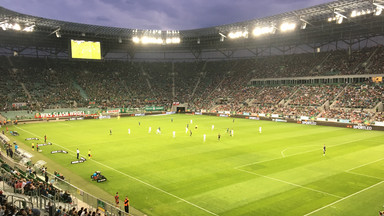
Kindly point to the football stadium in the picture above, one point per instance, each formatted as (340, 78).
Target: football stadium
(280, 115)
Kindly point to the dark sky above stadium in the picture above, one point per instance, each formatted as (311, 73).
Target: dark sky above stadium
(156, 14)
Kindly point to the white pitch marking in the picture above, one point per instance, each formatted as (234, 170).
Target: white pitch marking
(282, 152)
(290, 183)
(337, 201)
(152, 186)
(360, 174)
(65, 124)
(303, 146)
(294, 154)
(365, 164)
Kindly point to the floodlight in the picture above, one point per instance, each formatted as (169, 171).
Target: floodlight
(340, 20)
(303, 25)
(176, 40)
(58, 34)
(29, 28)
(136, 40)
(330, 19)
(257, 31)
(379, 8)
(238, 34)
(354, 14)
(16, 27)
(144, 40)
(339, 14)
(263, 30)
(287, 27)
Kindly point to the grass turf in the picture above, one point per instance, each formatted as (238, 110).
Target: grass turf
(280, 171)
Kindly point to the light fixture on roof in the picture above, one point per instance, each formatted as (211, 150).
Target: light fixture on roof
(16, 27)
(339, 20)
(3, 26)
(339, 17)
(136, 40)
(58, 34)
(238, 34)
(379, 9)
(222, 36)
(29, 28)
(263, 30)
(287, 26)
(151, 40)
(174, 40)
(303, 25)
(356, 13)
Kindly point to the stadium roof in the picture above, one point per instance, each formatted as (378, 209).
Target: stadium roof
(317, 29)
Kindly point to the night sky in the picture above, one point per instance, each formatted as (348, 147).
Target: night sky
(156, 14)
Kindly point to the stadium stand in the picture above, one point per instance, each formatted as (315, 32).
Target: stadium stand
(217, 86)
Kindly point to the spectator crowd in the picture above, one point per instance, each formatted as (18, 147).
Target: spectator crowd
(42, 83)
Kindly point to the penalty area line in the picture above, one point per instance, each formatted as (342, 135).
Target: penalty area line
(360, 174)
(299, 153)
(337, 201)
(365, 164)
(302, 146)
(290, 183)
(134, 178)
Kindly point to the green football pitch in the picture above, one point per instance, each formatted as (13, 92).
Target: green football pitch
(281, 171)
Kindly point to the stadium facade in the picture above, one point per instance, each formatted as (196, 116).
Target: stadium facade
(342, 24)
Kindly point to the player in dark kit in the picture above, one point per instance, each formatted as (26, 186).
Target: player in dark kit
(45, 138)
(190, 132)
(324, 149)
(110, 131)
(218, 137)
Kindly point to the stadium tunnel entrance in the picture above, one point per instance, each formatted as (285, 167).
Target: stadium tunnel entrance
(180, 110)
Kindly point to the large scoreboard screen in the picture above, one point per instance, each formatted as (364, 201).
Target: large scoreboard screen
(81, 49)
